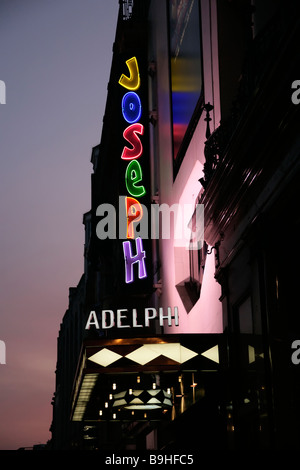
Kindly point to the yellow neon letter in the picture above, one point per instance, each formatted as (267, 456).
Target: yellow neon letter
(133, 82)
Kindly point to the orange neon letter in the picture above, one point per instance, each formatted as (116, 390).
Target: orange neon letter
(133, 81)
(134, 213)
(130, 134)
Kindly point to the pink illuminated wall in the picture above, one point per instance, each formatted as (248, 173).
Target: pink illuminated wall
(206, 314)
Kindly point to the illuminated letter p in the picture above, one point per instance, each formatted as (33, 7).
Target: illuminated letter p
(134, 213)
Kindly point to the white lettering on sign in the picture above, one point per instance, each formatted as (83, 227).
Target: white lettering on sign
(124, 318)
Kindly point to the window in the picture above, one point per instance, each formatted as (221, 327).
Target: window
(245, 317)
(185, 72)
(189, 289)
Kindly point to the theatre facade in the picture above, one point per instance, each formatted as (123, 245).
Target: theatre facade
(180, 331)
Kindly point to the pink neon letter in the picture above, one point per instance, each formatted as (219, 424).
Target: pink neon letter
(130, 134)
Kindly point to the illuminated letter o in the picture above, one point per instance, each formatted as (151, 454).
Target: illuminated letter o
(131, 107)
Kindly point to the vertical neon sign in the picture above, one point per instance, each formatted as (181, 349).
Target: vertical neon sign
(132, 111)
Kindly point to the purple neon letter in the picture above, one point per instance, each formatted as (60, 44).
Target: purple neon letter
(130, 260)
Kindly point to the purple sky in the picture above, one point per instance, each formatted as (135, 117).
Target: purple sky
(55, 58)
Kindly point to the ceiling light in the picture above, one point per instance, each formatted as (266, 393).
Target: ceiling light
(212, 354)
(174, 351)
(144, 399)
(105, 357)
(87, 386)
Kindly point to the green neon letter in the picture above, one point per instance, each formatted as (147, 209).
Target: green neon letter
(133, 176)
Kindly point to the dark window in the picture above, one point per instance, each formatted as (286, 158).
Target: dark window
(185, 72)
(190, 289)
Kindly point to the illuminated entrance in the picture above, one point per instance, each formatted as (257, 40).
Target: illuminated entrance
(143, 379)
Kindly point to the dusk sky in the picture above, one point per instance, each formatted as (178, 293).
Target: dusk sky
(55, 58)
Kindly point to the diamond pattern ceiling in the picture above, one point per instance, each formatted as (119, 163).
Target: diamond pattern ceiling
(145, 354)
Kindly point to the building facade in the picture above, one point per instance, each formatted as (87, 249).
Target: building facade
(181, 330)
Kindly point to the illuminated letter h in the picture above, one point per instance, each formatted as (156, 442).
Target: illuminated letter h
(130, 260)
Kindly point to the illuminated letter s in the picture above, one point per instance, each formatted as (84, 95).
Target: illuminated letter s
(130, 134)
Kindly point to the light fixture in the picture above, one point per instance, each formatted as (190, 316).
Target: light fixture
(114, 386)
(146, 353)
(110, 396)
(173, 351)
(88, 384)
(106, 404)
(143, 399)
(212, 354)
(105, 357)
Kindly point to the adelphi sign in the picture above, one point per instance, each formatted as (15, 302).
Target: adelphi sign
(125, 318)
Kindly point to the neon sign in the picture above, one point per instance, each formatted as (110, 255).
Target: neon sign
(134, 213)
(131, 259)
(131, 107)
(133, 176)
(130, 134)
(132, 111)
(133, 81)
